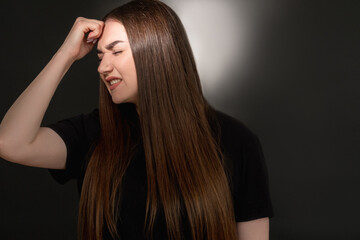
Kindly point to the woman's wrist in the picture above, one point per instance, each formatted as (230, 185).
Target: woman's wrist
(64, 57)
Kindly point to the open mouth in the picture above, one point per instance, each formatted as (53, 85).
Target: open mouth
(112, 82)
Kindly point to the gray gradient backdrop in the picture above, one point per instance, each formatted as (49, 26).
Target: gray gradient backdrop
(288, 69)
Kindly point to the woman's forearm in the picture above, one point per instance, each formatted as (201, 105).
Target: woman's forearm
(21, 138)
(257, 229)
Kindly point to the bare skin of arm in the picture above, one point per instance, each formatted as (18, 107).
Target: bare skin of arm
(253, 230)
(22, 140)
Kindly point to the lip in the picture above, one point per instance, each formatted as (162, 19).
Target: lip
(112, 87)
(110, 78)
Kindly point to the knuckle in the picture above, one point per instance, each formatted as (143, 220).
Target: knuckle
(99, 27)
(78, 19)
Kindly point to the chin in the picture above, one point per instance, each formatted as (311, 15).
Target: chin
(117, 101)
(121, 100)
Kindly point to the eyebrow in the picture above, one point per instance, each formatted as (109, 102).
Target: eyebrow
(110, 46)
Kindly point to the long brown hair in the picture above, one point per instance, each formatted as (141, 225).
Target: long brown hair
(185, 172)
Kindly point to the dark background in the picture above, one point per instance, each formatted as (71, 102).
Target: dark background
(299, 93)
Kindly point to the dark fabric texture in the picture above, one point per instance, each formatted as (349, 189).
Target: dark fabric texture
(244, 163)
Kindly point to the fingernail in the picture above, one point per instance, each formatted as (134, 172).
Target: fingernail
(89, 40)
(94, 41)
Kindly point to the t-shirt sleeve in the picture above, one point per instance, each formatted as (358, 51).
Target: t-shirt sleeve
(79, 135)
(247, 170)
(251, 195)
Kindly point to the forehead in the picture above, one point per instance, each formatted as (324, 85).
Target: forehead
(113, 31)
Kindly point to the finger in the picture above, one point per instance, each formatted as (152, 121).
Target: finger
(95, 21)
(91, 40)
(90, 27)
(95, 29)
(94, 35)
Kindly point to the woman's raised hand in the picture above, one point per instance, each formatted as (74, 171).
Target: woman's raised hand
(82, 37)
(22, 139)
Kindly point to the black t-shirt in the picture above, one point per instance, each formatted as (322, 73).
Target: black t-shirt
(243, 158)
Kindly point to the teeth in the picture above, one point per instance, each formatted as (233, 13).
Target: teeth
(114, 81)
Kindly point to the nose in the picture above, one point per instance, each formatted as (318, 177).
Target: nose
(105, 65)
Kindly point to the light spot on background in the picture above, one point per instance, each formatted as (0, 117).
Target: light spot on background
(218, 32)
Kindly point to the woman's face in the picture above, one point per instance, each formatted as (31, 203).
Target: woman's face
(117, 67)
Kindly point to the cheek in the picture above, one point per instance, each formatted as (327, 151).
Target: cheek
(126, 67)
(133, 73)
(130, 66)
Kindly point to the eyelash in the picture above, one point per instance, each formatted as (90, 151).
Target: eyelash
(115, 53)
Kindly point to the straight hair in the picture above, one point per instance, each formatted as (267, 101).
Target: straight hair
(186, 176)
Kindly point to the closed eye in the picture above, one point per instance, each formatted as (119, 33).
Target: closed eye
(114, 53)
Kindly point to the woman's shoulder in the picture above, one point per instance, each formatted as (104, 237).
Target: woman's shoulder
(246, 169)
(240, 146)
(234, 132)
(85, 126)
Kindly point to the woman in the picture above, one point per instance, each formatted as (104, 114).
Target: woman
(156, 160)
